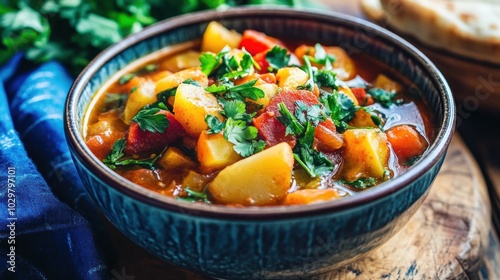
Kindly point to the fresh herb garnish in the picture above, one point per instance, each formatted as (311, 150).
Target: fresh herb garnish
(309, 85)
(226, 66)
(361, 183)
(194, 196)
(277, 58)
(326, 78)
(341, 108)
(150, 120)
(384, 97)
(239, 92)
(301, 126)
(243, 136)
(115, 157)
(376, 117)
(214, 124)
(126, 78)
(236, 128)
(411, 161)
(321, 57)
(114, 101)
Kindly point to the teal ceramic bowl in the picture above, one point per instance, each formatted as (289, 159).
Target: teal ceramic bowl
(271, 242)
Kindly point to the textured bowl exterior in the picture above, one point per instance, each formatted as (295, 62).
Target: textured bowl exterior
(272, 242)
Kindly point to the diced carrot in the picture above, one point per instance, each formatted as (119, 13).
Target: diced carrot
(406, 142)
(326, 139)
(268, 78)
(308, 196)
(255, 42)
(143, 142)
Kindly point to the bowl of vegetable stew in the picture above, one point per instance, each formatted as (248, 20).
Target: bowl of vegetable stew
(259, 143)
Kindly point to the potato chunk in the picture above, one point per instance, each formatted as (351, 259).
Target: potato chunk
(366, 154)
(191, 105)
(176, 79)
(143, 95)
(214, 152)
(174, 159)
(291, 77)
(184, 60)
(261, 179)
(216, 37)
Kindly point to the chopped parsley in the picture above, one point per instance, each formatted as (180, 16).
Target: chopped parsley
(115, 157)
(240, 92)
(236, 128)
(150, 120)
(194, 196)
(384, 97)
(309, 85)
(321, 57)
(277, 58)
(224, 65)
(126, 78)
(361, 183)
(340, 108)
(301, 126)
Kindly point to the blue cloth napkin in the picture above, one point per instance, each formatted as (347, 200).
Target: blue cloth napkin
(49, 228)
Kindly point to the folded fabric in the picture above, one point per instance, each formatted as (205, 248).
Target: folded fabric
(42, 237)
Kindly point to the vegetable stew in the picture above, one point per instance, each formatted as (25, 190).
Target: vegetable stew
(245, 119)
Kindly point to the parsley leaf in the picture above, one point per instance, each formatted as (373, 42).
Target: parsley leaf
(214, 124)
(314, 162)
(114, 158)
(194, 196)
(321, 57)
(361, 183)
(150, 120)
(243, 137)
(236, 109)
(384, 97)
(326, 78)
(226, 66)
(309, 85)
(240, 92)
(277, 58)
(341, 108)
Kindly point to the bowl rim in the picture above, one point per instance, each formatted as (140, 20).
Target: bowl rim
(79, 150)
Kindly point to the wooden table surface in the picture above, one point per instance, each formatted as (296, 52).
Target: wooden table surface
(450, 236)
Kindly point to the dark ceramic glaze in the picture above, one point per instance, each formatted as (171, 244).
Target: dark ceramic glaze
(270, 242)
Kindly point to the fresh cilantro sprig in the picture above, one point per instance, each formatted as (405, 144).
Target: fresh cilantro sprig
(321, 57)
(240, 92)
(301, 126)
(361, 183)
(384, 97)
(341, 108)
(277, 58)
(115, 157)
(236, 128)
(226, 66)
(150, 120)
(194, 196)
(243, 136)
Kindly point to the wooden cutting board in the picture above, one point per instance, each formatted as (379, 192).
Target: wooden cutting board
(448, 238)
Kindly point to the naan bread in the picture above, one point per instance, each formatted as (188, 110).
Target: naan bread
(373, 9)
(468, 28)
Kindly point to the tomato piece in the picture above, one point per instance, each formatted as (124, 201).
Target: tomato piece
(141, 142)
(255, 42)
(361, 96)
(270, 128)
(406, 142)
(261, 60)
